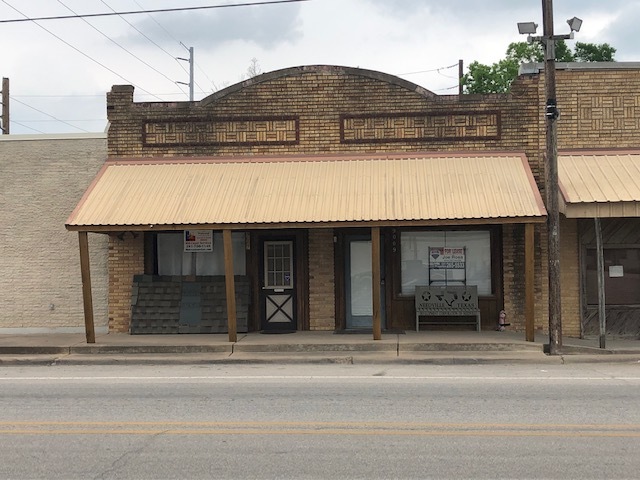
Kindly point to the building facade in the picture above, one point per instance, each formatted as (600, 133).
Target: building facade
(308, 187)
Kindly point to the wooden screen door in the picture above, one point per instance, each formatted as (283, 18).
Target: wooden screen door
(278, 286)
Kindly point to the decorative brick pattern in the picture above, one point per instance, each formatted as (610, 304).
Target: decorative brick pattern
(608, 113)
(242, 131)
(420, 127)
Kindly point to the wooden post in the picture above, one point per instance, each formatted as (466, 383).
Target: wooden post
(86, 287)
(231, 287)
(601, 298)
(375, 279)
(529, 282)
(551, 184)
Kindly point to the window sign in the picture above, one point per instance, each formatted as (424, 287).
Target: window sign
(449, 258)
(198, 240)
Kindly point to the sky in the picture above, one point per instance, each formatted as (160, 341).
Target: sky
(60, 70)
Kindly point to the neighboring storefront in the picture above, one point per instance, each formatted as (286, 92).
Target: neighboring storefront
(42, 178)
(309, 185)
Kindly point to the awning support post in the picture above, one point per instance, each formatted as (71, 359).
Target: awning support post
(230, 286)
(86, 287)
(376, 282)
(602, 314)
(529, 281)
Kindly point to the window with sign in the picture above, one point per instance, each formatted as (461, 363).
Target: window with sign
(173, 260)
(621, 276)
(445, 258)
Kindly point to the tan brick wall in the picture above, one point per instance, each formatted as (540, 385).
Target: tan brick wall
(570, 276)
(126, 259)
(514, 277)
(42, 179)
(321, 280)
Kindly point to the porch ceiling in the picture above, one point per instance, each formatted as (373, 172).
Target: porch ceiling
(309, 191)
(599, 184)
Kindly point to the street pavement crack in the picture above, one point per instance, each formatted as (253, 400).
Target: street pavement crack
(124, 459)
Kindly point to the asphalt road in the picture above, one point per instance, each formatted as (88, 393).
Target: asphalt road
(316, 422)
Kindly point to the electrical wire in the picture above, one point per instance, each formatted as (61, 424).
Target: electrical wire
(430, 71)
(162, 10)
(80, 51)
(14, 122)
(178, 42)
(47, 114)
(151, 41)
(121, 47)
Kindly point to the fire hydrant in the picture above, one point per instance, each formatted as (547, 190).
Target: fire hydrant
(502, 321)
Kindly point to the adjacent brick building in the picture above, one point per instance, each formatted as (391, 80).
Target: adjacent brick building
(43, 178)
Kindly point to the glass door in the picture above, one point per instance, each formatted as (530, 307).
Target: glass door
(359, 294)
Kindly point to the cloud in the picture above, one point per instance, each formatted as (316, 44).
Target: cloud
(266, 26)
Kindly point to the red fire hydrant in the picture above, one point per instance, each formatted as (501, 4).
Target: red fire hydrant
(502, 321)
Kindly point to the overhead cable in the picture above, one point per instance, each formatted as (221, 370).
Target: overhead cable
(161, 10)
(47, 114)
(81, 52)
(120, 46)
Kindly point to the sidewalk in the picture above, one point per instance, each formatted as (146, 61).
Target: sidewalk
(463, 347)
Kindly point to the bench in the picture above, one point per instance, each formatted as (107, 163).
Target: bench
(447, 301)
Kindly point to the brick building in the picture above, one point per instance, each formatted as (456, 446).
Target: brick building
(43, 178)
(287, 196)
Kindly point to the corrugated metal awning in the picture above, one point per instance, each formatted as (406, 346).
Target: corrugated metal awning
(308, 191)
(599, 184)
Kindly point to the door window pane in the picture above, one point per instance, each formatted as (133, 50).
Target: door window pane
(278, 264)
(361, 278)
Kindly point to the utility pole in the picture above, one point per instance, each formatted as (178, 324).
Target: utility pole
(551, 114)
(553, 212)
(5, 106)
(190, 60)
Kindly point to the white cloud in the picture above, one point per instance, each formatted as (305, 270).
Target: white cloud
(393, 36)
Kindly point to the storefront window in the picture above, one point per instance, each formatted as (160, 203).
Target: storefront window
(468, 259)
(173, 260)
(621, 276)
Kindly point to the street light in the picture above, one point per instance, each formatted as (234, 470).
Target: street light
(551, 112)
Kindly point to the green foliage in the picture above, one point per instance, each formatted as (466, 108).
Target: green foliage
(497, 78)
(589, 52)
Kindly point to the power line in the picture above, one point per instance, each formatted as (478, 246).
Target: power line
(149, 39)
(47, 114)
(26, 126)
(118, 45)
(80, 51)
(162, 10)
(175, 40)
(430, 71)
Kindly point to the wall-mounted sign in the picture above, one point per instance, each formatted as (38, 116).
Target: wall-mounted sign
(616, 271)
(198, 240)
(447, 258)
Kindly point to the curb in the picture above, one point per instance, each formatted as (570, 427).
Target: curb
(317, 358)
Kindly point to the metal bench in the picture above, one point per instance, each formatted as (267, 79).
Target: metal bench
(447, 301)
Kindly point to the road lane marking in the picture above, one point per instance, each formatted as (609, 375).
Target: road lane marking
(318, 428)
(325, 377)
